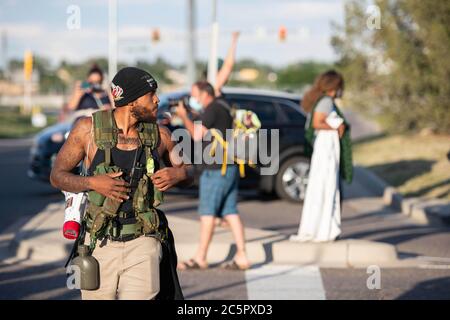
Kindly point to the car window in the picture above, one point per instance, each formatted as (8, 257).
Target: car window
(265, 110)
(293, 113)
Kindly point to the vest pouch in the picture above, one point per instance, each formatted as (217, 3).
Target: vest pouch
(158, 197)
(110, 207)
(96, 198)
(98, 224)
(140, 199)
(149, 220)
(93, 196)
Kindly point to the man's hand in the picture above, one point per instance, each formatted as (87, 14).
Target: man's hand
(166, 178)
(107, 185)
(181, 110)
(79, 90)
(341, 130)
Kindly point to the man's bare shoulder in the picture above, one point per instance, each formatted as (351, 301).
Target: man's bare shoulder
(84, 123)
(81, 129)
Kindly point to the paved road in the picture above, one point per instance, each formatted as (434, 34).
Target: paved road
(293, 282)
(269, 282)
(20, 196)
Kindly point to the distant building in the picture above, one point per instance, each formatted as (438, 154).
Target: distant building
(15, 85)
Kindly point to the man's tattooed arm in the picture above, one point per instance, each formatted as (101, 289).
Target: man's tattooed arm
(71, 153)
(173, 159)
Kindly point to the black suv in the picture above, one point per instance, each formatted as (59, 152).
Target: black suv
(276, 110)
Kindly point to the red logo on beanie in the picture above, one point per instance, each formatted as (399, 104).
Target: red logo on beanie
(116, 92)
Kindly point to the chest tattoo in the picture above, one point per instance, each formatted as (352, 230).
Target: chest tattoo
(131, 141)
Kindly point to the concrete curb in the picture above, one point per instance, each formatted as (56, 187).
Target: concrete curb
(340, 254)
(427, 212)
(434, 212)
(344, 253)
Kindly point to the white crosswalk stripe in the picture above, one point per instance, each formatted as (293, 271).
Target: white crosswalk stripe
(285, 282)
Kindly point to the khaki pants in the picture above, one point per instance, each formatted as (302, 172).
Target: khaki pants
(128, 270)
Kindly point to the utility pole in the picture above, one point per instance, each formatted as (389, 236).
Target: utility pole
(112, 56)
(4, 53)
(191, 45)
(212, 63)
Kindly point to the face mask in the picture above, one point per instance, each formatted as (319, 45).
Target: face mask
(193, 102)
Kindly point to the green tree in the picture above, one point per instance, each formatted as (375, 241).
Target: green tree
(298, 75)
(158, 69)
(400, 71)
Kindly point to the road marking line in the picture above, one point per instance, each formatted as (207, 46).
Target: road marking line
(285, 282)
(437, 259)
(435, 266)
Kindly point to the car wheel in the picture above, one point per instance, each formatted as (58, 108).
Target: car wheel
(292, 179)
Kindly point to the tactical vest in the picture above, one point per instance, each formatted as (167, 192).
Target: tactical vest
(101, 211)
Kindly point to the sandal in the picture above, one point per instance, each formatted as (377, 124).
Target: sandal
(232, 265)
(191, 264)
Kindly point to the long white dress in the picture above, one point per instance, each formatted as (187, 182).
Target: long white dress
(321, 216)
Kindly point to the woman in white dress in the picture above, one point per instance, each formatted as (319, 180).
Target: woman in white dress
(321, 215)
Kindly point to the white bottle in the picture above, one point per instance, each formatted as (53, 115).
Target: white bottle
(73, 213)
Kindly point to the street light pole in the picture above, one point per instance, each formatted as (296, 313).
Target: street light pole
(112, 56)
(191, 72)
(212, 63)
(4, 45)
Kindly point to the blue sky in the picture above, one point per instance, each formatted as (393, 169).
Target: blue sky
(41, 26)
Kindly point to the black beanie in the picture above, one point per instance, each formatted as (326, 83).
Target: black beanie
(131, 83)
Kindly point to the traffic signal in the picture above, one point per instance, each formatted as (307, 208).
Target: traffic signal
(28, 65)
(156, 36)
(282, 33)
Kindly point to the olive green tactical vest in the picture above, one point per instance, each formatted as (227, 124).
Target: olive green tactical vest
(101, 211)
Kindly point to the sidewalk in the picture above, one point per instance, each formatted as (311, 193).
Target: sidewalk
(40, 239)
